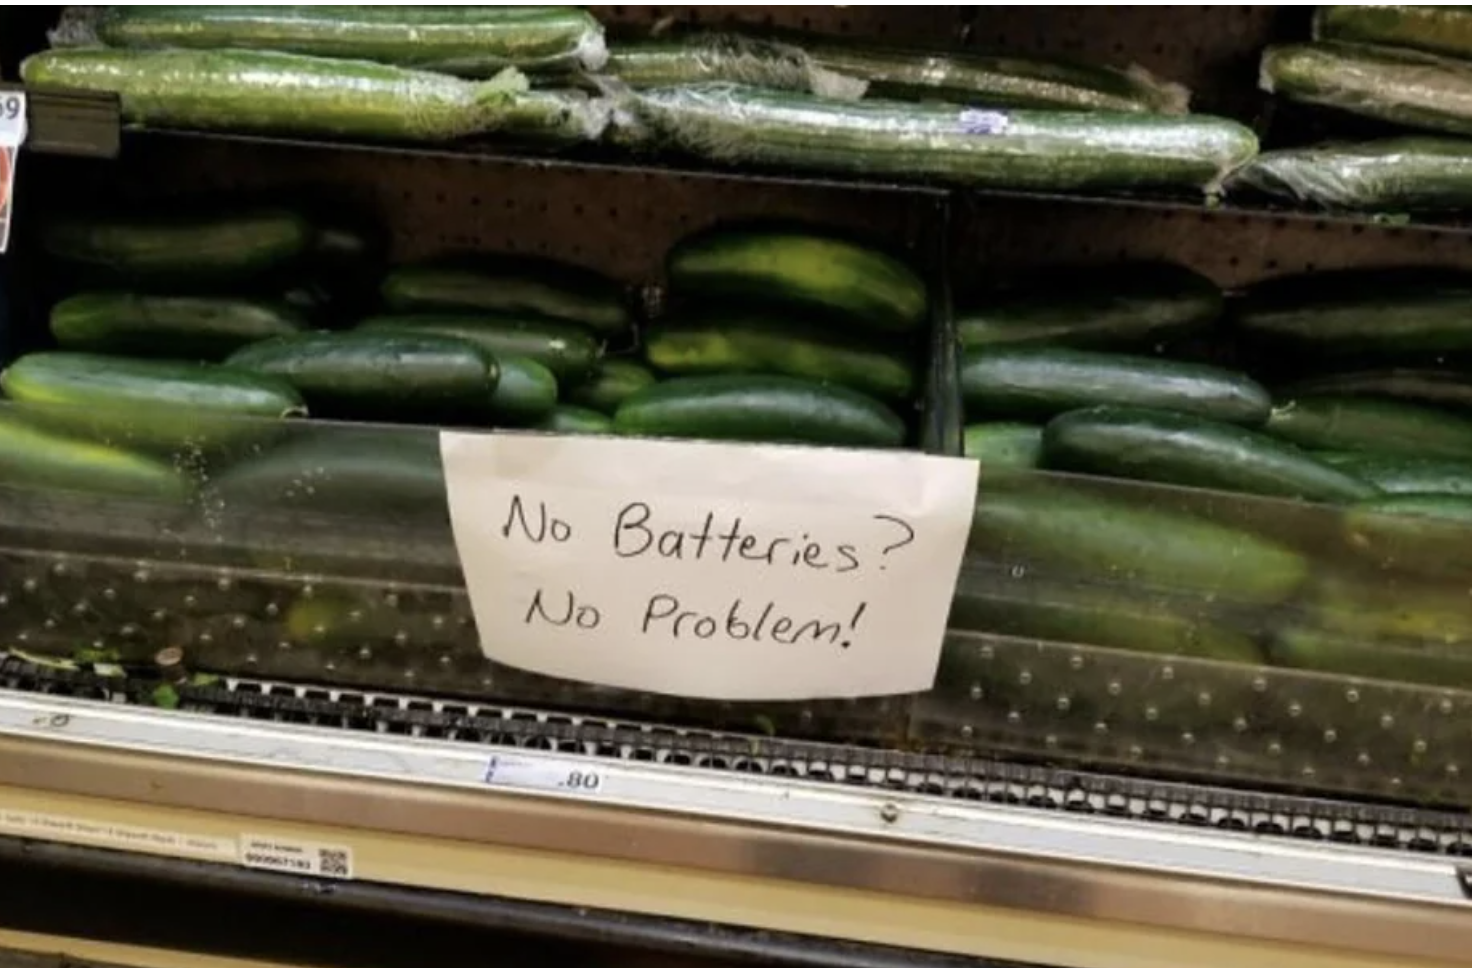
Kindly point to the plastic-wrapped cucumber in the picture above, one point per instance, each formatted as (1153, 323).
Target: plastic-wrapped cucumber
(1397, 174)
(1038, 150)
(997, 80)
(1437, 30)
(1404, 87)
(269, 92)
(727, 57)
(468, 41)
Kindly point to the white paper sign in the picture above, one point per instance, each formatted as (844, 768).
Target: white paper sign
(12, 136)
(711, 571)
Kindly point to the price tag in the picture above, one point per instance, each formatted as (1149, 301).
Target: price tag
(12, 136)
(710, 571)
(527, 773)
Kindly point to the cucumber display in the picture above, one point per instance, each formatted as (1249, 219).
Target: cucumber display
(1449, 389)
(32, 458)
(1375, 426)
(265, 92)
(576, 420)
(613, 382)
(468, 41)
(745, 341)
(733, 58)
(1396, 475)
(1172, 448)
(1393, 175)
(396, 377)
(1306, 647)
(213, 248)
(1003, 444)
(1077, 536)
(567, 349)
(526, 392)
(1120, 305)
(775, 409)
(1385, 315)
(157, 405)
(829, 275)
(1404, 87)
(984, 148)
(180, 327)
(1436, 30)
(1042, 382)
(511, 286)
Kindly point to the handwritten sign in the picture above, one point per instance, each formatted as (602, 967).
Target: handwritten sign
(705, 570)
(12, 136)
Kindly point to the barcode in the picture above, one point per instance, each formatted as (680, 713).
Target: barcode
(334, 863)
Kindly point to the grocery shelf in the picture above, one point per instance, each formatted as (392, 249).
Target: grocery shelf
(80, 124)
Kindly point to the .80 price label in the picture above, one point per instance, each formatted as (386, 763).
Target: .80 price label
(527, 773)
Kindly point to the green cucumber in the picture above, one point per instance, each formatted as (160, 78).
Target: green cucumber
(1042, 382)
(1404, 87)
(1441, 388)
(1430, 533)
(567, 349)
(979, 147)
(525, 394)
(1172, 448)
(265, 92)
(1405, 475)
(1382, 315)
(822, 273)
(467, 41)
(31, 458)
(1375, 426)
(1003, 444)
(1033, 523)
(211, 248)
(576, 420)
(1411, 174)
(774, 409)
(150, 404)
(1094, 308)
(1374, 609)
(1436, 507)
(512, 287)
(733, 58)
(1319, 650)
(744, 341)
(1436, 30)
(396, 377)
(612, 382)
(181, 327)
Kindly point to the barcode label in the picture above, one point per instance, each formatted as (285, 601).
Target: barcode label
(292, 857)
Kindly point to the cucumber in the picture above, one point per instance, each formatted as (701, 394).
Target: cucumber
(31, 458)
(728, 57)
(1065, 533)
(822, 273)
(982, 148)
(1411, 174)
(148, 404)
(774, 409)
(525, 394)
(1437, 507)
(1367, 424)
(1385, 316)
(744, 341)
(1404, 87)
(395, 377)
(1003, 444)
(568, 350)
(1172, 448)
(576, 420)
(181, 327)
(1318, 650)
(467, 41)
(613, 382)
(511, 286)
(1406, 475)
(1377, 610)
(1428, 533)
(265, 92)
(1436, 30)
(1042, 382)
(212, 248)
(1091, 308)
(1448, 389)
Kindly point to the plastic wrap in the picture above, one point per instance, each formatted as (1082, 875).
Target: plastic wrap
(1404, 87)
(1037, 150)
(995, 80)
(465, 41)
(730, 58)
(1436, 30)
(268, 92)
(1394, 175)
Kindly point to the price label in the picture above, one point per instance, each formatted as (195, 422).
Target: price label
(527, 773)
(12, 136)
